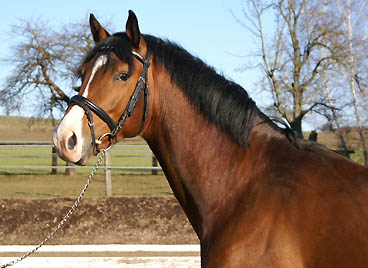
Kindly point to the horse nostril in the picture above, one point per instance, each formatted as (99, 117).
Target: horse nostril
(72, 141)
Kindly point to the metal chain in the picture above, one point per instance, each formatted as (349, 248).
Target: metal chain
(67, 216)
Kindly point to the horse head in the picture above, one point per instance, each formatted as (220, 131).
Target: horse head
(112, 102)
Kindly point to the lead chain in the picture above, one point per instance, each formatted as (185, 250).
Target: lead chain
(101, 156)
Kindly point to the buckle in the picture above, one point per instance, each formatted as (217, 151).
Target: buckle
(110, 137)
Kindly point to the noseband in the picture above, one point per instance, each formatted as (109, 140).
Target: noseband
(88, 106)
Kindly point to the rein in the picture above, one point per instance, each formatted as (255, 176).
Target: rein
(88, 106)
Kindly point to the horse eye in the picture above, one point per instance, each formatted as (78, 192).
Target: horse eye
(122, 77)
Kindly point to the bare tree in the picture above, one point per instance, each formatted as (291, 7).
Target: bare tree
(335, 117)
(354, 43)
(332, 117)
(44, 60)
(291, 60)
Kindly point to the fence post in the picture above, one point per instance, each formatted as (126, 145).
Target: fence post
(313, 136)
(108, 174)
(70, 171)
(53, 161)
(154, 164)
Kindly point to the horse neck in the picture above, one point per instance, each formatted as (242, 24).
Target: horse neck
(205, 168)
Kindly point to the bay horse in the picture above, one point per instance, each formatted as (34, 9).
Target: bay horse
(255, 194)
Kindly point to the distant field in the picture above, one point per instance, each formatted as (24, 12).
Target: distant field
(25, 129)
(352, 140)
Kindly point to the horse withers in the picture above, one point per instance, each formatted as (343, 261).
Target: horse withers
(255, 194)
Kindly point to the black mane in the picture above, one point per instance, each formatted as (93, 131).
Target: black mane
(223, 102)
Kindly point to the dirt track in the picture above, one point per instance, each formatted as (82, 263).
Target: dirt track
(117, 220)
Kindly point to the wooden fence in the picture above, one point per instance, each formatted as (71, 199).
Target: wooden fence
(127, 151)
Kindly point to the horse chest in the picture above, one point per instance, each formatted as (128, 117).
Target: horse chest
(252, 246)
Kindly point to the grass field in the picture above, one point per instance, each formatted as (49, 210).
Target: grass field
(47, 186)
(131, 156)
(35, 183)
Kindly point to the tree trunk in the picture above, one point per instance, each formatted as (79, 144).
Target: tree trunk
(332, 106)
(352, 86)
(296, 125)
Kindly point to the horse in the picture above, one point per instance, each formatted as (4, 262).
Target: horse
(255, 193)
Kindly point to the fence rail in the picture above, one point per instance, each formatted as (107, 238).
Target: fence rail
(123, 153)
(126, 151)
(81, 167)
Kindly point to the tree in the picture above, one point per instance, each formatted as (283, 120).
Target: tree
(354, 44)
(291, 62)
(44, 61)
(331, 114)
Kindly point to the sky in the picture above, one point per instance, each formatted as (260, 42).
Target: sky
(206, 28)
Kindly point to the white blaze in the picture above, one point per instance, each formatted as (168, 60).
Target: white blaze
(101, 61)
(72, 122)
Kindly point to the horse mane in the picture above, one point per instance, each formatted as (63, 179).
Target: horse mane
(221, 101)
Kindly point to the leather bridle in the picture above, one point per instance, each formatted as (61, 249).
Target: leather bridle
(88, 106)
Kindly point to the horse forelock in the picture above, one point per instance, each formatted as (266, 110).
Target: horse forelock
(117, 43)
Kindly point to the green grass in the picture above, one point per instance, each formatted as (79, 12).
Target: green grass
(38, 183)
(358, 156)
(47, 186)
(41, 156)
(29, 183)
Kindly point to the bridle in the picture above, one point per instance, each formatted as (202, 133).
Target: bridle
(88, 106)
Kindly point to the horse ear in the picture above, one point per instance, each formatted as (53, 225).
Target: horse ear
(132, 29)
(98, 32)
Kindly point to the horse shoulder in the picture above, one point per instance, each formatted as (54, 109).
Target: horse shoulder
(291, 215)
